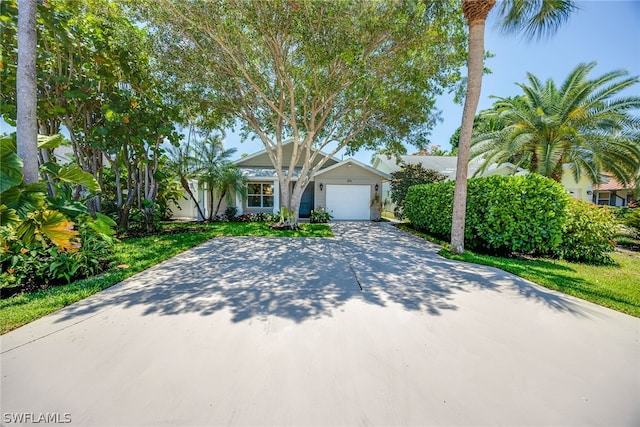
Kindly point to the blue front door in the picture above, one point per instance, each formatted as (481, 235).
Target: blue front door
(306, 202)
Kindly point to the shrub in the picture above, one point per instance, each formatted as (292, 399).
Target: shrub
(632, 220)
(319, 216)
(504, 213)
(406, 177)
(230, 213)
(587, 233)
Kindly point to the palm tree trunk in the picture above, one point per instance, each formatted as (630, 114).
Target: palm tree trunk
(475, 11)
(185, 185)
(26, 90)
(224, 193)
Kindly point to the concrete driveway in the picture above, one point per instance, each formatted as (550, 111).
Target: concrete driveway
(369, 328)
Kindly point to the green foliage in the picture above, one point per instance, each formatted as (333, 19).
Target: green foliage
(588, 233)
(632, 220)
(319, 216)
(580, 123)
(407, 176)
(504, 213)
(40, 244)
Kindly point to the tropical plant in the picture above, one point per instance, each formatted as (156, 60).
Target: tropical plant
(229, 182)
(181, 161)
(44, 238)
(213, 169)
(579, 125)
(319, 215)
(407, 176)
(535, 18)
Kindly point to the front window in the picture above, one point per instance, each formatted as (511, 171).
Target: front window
(260, 195)
(603, 198)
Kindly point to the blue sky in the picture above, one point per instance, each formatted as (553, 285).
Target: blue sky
(607, 32)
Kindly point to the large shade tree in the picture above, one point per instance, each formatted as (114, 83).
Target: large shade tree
(580, 124)
(324, 75)
(532, 17)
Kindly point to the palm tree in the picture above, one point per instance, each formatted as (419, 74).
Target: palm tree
(536, 18)
(181, 162)
(211, 158)
(229, 181)
(578, 124)
(27, 125)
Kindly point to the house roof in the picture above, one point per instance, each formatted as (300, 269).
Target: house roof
(260, 153)
(260, 172)
(446, 165)
(612, 184)
(356, 163)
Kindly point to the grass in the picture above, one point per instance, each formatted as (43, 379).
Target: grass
(614, 286)
(132, 256)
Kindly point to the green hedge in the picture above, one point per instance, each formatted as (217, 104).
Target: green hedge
(504, 213)
(588, 233)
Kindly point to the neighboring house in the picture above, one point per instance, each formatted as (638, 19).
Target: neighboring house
(447, 165)
(611, 192)
(347, 189)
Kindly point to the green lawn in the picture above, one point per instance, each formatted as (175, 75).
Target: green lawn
(130, 257)
(615, 286)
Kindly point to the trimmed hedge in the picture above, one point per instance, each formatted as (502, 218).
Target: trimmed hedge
(587, 234)
(504, 213)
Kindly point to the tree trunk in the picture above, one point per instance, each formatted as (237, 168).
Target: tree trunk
(476, 14)
(26, 90)
(224, 193)
(185, 185)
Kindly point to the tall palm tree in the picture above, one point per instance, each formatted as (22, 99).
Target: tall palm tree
(578, 124)
(26, 89)
(535, 18)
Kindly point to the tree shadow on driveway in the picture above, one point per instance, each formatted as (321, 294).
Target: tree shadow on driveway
(306, 278)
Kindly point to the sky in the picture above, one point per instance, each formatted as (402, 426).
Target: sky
(605, 31)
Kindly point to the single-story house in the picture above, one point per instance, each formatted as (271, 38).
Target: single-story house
(447, 165)
(347, 189)
(613, 193)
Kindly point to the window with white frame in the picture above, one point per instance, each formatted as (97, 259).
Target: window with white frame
(260, 195)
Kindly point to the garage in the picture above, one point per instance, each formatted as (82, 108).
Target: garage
(349, 201)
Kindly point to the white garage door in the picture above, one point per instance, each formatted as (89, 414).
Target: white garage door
(349, 201)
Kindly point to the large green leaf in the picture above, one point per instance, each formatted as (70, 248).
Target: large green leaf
(8, 216)
(102, 224)
(73, 174)
(52, 224)
(51, 141)
(71, 208)
(10, 165)
(24, 199)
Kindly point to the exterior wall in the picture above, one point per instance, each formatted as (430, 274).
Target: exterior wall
(345, 175)
(582, 190)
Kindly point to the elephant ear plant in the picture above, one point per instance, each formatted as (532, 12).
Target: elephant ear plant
(46, 239)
